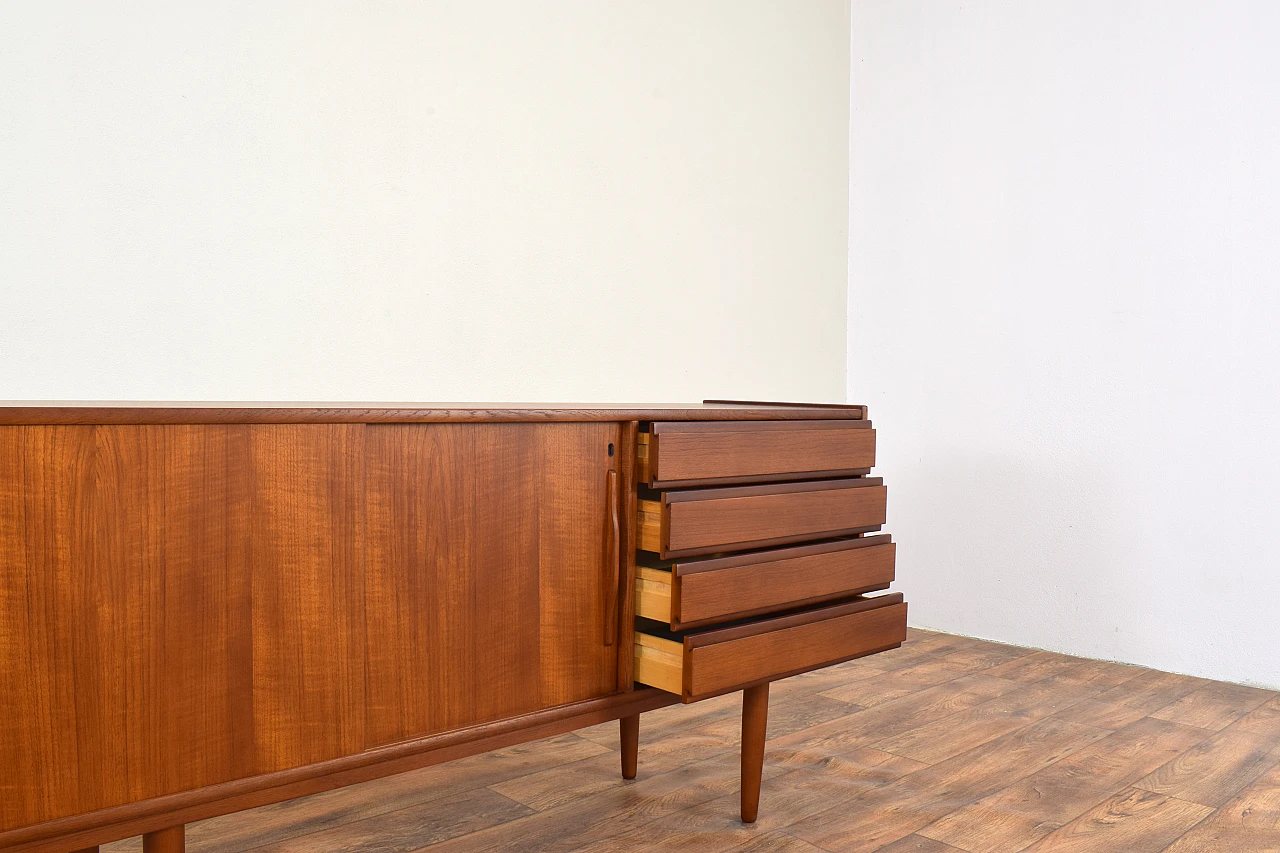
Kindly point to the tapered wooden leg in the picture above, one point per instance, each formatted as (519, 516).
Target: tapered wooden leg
(93, 849)
(755, 719)
(630, 729)
(171, 840)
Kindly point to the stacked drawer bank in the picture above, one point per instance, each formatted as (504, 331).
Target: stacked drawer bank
(758, 547)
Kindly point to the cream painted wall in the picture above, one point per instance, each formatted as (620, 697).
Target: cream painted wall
(1064, 313)
(423, 200)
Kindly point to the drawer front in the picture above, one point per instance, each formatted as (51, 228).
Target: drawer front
(720, 661)
(707, 521)
(702, 592)
(682, 454)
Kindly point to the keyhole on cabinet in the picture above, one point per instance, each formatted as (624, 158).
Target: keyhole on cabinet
(611, 448)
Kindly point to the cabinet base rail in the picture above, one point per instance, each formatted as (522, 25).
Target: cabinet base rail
(163, 817)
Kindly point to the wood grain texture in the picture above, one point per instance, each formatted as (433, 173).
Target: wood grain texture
(755, 720)
(778, 579)
(1026, 811)
(628, 477)
(169, 840)
(189, 806)
(817, 760)
(913, 802)
(1135, 821)
(704, 521)
(195, 546)
(729, 665)
(486, 549)
(188, 613)
(683, 454)
(1214, 706)
(1249, 821)
(39, 413)
(1216, 769)
(629, 744)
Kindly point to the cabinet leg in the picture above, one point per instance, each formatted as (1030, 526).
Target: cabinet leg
(755, 719)
(171, 840)
(93, 849)
(630, 730)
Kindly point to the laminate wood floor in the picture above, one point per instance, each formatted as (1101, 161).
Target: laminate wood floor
(947, 744)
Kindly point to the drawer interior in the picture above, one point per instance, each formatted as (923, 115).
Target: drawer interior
(653, 593)
(659, 663)
(649, 525)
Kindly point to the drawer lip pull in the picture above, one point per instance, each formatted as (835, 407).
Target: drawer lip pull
(791, 488)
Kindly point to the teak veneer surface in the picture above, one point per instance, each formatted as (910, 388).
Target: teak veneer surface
(189, 606)
(27, 412)
(946, 745)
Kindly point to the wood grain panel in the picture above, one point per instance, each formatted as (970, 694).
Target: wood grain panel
(305, 551)
(508, 634)
(133, 557)
(681, 454)
(38, 726)
(486, 572)
(421, 579)
(573, 527)
(709, 520)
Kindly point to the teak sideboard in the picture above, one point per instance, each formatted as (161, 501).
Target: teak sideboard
(206, 608)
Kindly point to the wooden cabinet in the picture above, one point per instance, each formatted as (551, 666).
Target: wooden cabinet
(208, 608)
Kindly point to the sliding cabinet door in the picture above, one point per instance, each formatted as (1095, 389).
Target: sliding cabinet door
(489, 570)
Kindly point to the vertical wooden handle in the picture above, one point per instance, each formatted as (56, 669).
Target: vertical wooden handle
(613, 566)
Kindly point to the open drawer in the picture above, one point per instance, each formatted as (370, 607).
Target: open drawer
(696, 593)
(707, 521)
(708, 663)
(704, 453)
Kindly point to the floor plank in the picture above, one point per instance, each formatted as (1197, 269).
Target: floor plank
(947, 745)
(1129, 702)
(1214, 706)
(1134, 821)
(1250, 822)
(1024, 812)
(1214, 770)
(962, 731)
(901, 808)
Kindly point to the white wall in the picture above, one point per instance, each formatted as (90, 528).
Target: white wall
(1065, 316)
(423, 200)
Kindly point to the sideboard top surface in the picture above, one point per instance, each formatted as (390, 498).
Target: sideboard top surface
(14, 413)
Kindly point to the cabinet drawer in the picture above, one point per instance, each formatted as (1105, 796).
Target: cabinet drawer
(701, 592)
(683, 454)
(708, 663)
(707, 521)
